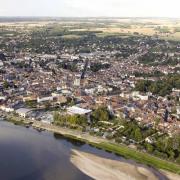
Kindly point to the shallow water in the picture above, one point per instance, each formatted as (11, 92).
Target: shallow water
(28, 154)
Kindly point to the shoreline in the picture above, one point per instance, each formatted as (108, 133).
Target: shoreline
(102, 168)
(104, 144)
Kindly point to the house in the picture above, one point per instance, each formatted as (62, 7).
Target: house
(178, 110)
(61, 99)
(135, 94)
(148, 140)
(143, 98)
(3, 98)
(23, 112)
(29, 98)
(1, 63)
(77, 82)
(6, 108)
(66, 92)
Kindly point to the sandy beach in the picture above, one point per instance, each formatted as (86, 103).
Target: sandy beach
(171, 176)
(101, 168)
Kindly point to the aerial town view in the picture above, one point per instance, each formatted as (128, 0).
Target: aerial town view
(88, 93)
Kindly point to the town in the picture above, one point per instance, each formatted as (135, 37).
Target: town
(122, 88)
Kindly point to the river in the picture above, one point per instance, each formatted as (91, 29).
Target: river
(26, 154)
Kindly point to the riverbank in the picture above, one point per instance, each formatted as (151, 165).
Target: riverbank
(101, 168)
(101, 143)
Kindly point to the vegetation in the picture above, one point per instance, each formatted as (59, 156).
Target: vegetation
(70, 66)
(154, 59)
(100, 114)
(146, 75)
(95, 67)
(5, 85)
(31, 104)
(160, 87)
(163, 29)
(17, 121)
(132, 130)
(71, 121)
(140, 157)
(166, 147)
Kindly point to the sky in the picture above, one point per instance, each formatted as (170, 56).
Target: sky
(91, 8)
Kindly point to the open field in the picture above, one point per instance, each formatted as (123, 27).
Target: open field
(137, 30)
(167, 29)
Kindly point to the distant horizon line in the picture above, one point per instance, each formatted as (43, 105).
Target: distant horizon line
(106, 17)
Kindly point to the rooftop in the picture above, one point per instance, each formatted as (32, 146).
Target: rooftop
(23, 110)
(77, 110)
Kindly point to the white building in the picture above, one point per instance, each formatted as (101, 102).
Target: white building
(3, 98)
(1, 63)
(77, 82)
(6, 109)
(77, 110)
(44, 99)
(178, 110)
(143, 98)
(23, 112)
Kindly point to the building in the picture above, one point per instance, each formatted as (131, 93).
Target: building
(48, 119)
(77, 82)
(77, 110)
(6, 108)
(44, 99)
(23, 112)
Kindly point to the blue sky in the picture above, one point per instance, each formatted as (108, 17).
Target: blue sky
(94, 8)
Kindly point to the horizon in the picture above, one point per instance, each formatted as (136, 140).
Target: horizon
(92, 17)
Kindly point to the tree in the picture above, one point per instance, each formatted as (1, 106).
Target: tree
(157, 121)
(72, 119)
(100, 114)
(5, 84)
(178, 160)
(59, 119)
(149, 148)
(161, 87)
(137, 135)
(56, 116)
(82, 120)
(171, 154)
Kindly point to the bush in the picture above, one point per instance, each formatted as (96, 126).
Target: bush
(149, 148)
(160, 154)
(118, 140)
